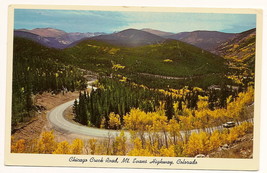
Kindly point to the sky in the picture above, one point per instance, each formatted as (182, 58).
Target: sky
(114, 21)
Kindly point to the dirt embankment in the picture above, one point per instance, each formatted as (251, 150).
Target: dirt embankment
(241, 148)
(46, 101)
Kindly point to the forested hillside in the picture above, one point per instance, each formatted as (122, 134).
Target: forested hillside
(117, 98)
(171, 58)
(37, 69)
(240, 54)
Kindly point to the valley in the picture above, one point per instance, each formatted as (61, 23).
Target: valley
(148, 83)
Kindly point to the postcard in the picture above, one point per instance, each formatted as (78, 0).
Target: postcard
(133, 87)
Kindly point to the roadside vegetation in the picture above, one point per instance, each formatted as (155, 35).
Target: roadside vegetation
(170, 144)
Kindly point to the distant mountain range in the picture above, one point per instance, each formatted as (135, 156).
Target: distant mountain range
(45, 32)
(54, 38)
(207, 40)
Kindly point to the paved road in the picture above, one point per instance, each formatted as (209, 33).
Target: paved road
(56, 117)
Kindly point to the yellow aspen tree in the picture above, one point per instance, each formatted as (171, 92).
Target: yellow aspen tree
(167, 152)
(18, 147)
(197, 144)
(174, 130)
(215, 140)
(179, 149)
(138, 150)
(203, 102)
(119, 145)
(114, 121)
(232, 136)
(102, 148)
(159, 125)
(46, 144)
(92, 144)
(77, 146)
(62, 148)
(161, 108)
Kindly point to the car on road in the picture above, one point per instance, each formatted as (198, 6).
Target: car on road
(229, 125)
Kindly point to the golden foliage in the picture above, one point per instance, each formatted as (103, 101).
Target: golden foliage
(167, 60)
(197, 144)
(46, 144)
(119, 145)
(92, 143)
(113, 51)
(62, 148)
(167, 152)
(138, 150)
(141, 121)
(18, 147)
(114, 121)
(117, 67)
(77, 146)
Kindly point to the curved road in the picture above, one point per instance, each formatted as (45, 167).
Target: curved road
(56, 117)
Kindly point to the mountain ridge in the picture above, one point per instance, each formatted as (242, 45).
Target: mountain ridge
(207, 40)
(45, 32)
(204, 39)
(53, 38)
(157, 32)
(130, 38)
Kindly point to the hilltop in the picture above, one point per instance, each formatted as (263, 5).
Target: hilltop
(157, 32)
(130, 38)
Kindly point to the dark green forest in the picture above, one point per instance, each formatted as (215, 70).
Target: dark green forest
(120, 97)
(37, 69)
(186, 61)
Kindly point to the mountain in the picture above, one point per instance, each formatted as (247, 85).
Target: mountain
(151, 65)
(45, 41)
(130, 38)
(240, 49)
(184, 59)
(45, 32)
(157, 32)
(207, 40)
(69, 38)
(53, 38)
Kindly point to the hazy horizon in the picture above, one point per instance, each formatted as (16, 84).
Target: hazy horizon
(115, 21)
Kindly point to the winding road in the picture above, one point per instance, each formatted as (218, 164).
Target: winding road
(57, 119)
